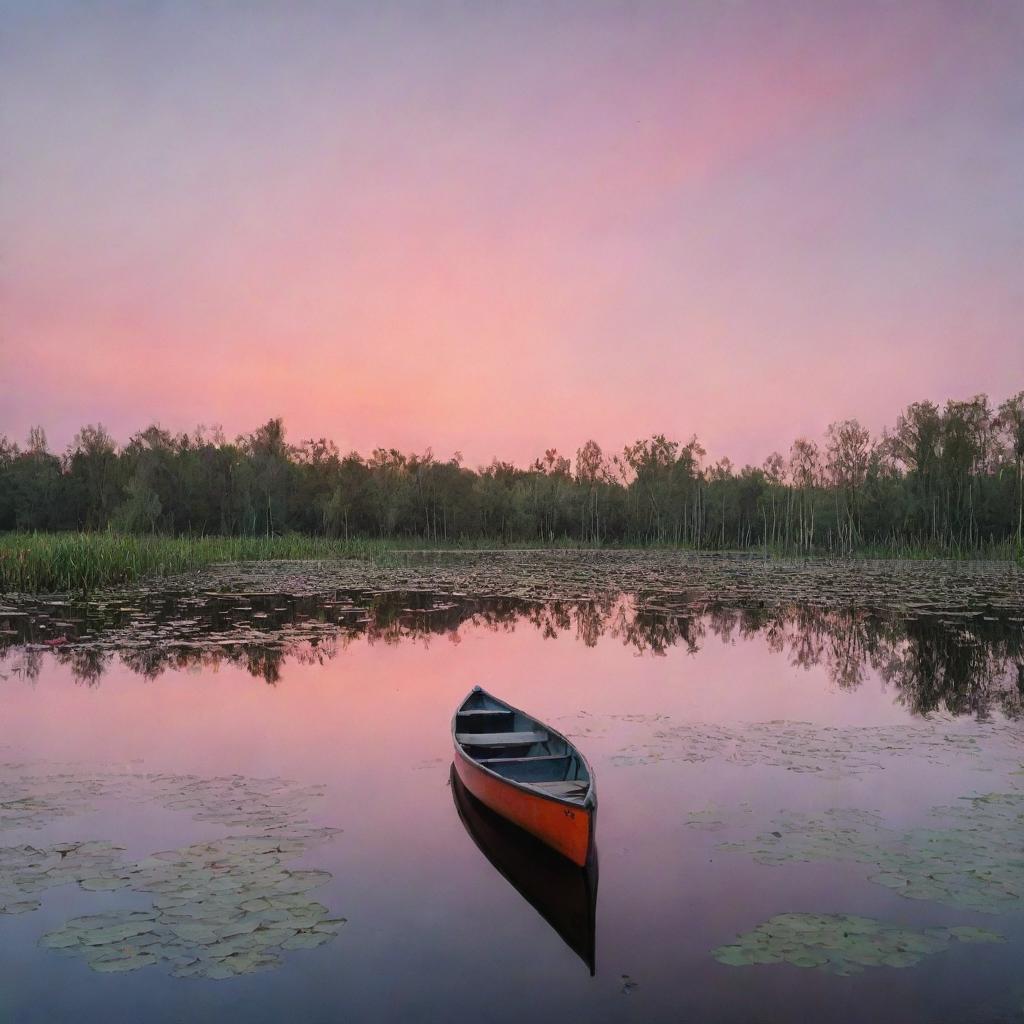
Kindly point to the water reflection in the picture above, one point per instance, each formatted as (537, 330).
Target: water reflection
(562, 893)
(964, 663)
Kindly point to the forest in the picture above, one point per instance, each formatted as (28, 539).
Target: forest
(942, 479)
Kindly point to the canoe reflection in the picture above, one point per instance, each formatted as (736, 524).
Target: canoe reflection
(562, 893)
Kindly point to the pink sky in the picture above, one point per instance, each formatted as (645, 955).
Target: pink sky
(502, 227)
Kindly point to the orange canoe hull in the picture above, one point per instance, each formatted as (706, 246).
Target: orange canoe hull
(569, 830)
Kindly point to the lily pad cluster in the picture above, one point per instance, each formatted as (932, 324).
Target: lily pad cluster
(33, 796)
(842, 943)
(803, 747)
(975, 861)
(26, 871)
(220, 909)
(715, 818)
(238, 801)
(667, 579)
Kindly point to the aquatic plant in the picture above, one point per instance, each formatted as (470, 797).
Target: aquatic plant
(26, 871)
(974, 862)
(842, 943)
(805, 748)
(220, 909)
(75, 562)
(223, 907)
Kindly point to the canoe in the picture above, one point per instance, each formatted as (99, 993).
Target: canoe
(563, 893)
(527, 772)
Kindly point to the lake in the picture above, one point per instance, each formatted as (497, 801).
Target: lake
(233, 801)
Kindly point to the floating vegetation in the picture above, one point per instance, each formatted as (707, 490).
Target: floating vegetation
(714, 818)
(806, 748)
(667, 580)
(249, 601)
(26, 871)
(841, 943)
(220, 908)
(32, 796)
(270, 805)
(975, 863)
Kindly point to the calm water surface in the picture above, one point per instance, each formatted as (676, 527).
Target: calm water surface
(704, 735)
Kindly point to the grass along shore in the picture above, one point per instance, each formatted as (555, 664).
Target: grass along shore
(81, 562)
(60, 562)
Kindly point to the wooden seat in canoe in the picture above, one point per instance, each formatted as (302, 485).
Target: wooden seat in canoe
(496, 762)
(571, 788)
(500, 739)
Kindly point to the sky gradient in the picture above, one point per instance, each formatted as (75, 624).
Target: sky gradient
(501, 227)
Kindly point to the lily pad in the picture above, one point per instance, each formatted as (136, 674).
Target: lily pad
(841, 943)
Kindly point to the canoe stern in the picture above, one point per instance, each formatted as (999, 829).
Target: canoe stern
(566, 827)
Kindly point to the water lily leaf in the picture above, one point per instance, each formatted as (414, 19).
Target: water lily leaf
(102, 884)
(841, 944)
(19, 906)
(128, 963)
(966, 933)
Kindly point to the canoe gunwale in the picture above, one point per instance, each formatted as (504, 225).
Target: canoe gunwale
(588, 803)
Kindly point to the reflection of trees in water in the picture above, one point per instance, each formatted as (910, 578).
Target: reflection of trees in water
(953, 668)
(656, 633)
(88, 666)
(969, 665)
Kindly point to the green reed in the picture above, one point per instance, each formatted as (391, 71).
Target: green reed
(50, 562)
(80, 562)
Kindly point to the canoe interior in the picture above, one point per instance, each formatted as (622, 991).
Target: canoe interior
(520, 748)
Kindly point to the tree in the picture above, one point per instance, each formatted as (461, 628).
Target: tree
(916, 445)
(1011, 422)
(35, 481)
(774, 470)
(270, 458)
(949, 478)
(141, 510)
(804, 467)
(591, 473)
(848, 453)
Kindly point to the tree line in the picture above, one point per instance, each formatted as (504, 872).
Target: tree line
(942, 478)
